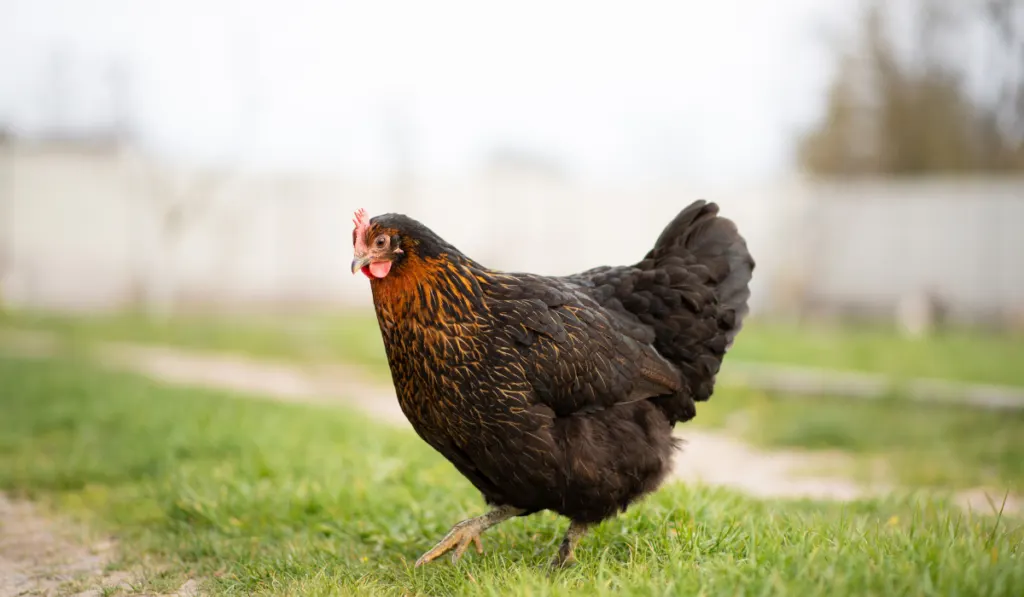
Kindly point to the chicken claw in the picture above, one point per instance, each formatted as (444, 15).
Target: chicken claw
(466, 532)
(459, 538)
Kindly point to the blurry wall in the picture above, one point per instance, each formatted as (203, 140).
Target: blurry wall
(958, 240)
(102, 228)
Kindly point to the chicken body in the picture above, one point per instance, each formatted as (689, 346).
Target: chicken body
(555, 393)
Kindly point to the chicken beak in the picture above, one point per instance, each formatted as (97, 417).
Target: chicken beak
(359, 263)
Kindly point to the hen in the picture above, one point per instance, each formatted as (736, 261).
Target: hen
(554, 393)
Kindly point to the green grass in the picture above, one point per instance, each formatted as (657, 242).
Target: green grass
(961, 355)
(350, 337)
(915, 444)
(259, 497)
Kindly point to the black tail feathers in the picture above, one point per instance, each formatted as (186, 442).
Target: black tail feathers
(698, 232)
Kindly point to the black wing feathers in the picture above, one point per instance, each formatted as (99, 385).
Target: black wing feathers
(581, 357)
(659, 328)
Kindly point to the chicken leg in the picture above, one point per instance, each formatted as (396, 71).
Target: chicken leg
(565, 557)
(466, 532)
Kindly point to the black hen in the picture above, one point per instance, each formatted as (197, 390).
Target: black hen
(554, 393)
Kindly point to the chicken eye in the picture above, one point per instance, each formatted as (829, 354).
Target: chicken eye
(380, 242)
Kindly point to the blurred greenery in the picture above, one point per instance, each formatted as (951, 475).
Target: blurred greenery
(349, 337)
(914, 444)
(255, 497)
(955, 354)
(964, 355)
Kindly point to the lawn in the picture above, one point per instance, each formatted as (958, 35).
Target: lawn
(351, 337)
(961, 355)
(955, 354)
(910, 443)
(259, 497)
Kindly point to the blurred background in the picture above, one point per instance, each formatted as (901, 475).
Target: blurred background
(177, 184)
(182, 175)
(191, 156)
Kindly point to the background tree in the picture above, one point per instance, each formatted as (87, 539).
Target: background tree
(924, 106)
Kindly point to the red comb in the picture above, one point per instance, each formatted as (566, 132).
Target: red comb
(362, 222)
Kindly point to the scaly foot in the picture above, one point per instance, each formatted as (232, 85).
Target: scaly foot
(466, 532)
(459, 538)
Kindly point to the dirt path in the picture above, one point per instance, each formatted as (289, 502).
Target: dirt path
(35, 559)
(41, 556)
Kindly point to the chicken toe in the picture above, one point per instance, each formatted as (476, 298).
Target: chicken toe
(465, 533)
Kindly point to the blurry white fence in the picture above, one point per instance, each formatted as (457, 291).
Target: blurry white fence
(961, 241)
(102, 230)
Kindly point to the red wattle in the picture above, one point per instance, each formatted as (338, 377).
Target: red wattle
(379, 269)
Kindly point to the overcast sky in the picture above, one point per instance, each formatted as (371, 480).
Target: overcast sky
(695, 90)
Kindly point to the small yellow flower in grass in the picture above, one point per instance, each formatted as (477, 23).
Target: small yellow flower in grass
(364, 559)
(895, 520)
